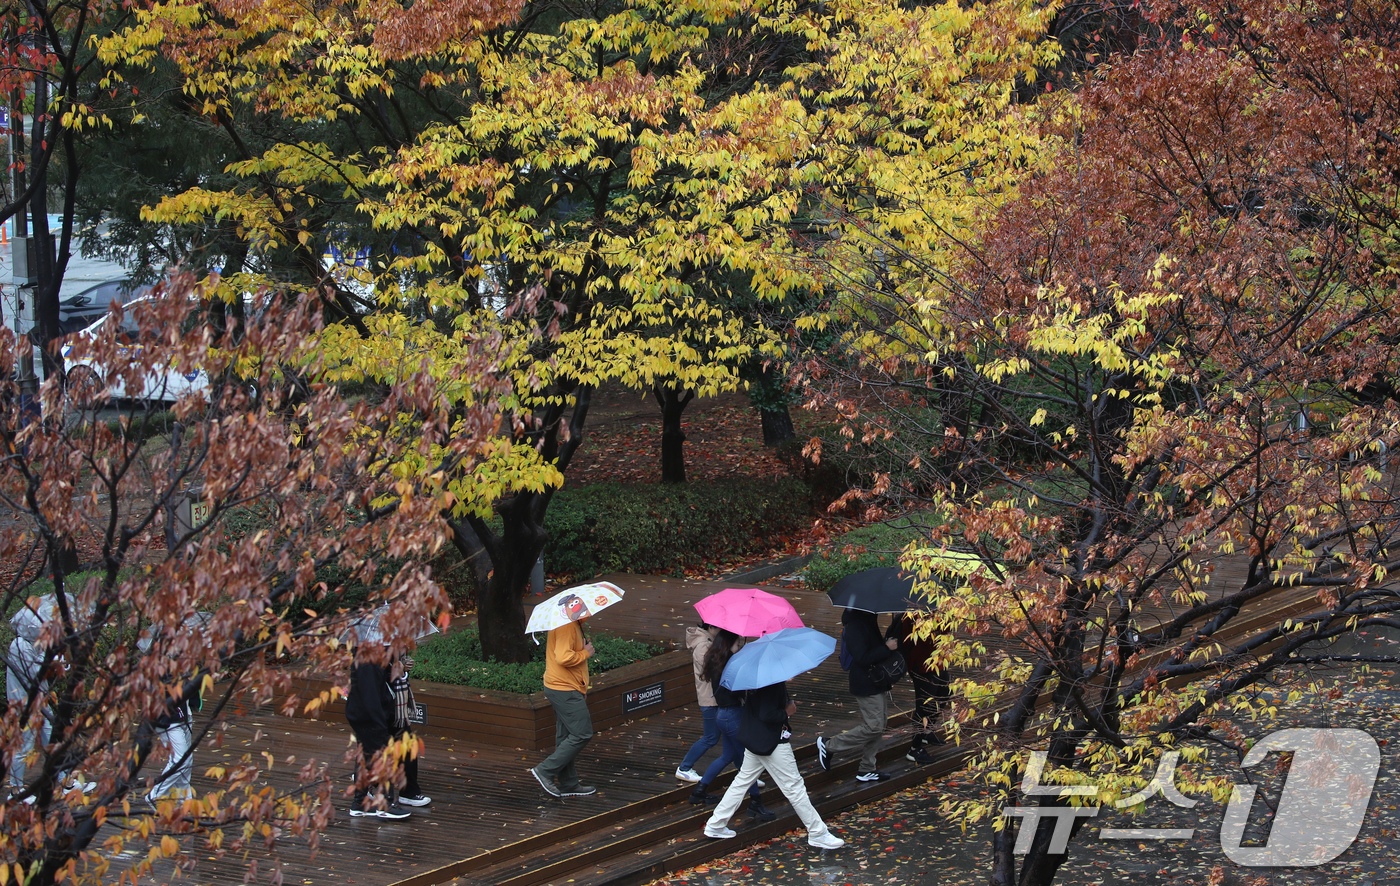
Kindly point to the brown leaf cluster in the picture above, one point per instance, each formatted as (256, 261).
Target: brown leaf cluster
(226, 610)
(1223, 207)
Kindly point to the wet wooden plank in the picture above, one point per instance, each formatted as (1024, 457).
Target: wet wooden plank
(484, 798)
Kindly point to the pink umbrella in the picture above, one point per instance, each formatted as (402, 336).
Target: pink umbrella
(748, 612)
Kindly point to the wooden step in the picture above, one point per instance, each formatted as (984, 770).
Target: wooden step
(663, 833)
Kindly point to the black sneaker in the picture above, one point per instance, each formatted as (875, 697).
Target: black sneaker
(873, 776)
(823, 755)
(393, 811)
(549, 786)
(583, 790)
(920, 756)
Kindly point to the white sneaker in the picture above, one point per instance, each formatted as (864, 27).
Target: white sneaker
(689, 775)
(722, 833)
(826, 841)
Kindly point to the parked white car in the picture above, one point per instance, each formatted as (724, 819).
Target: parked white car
(84, 374)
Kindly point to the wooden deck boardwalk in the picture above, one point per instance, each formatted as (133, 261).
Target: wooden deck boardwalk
(490, 822)
(483, 797)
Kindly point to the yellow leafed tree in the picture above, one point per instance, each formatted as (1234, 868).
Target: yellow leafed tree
(651, 166)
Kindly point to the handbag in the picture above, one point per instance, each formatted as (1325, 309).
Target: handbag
(890, 671)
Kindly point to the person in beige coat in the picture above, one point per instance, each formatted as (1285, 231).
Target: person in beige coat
(698, 640)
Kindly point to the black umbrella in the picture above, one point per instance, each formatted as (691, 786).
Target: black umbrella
(876, 590)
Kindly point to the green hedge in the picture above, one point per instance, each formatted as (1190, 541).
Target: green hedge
(875, 546)
(456, 658)
(660, 528)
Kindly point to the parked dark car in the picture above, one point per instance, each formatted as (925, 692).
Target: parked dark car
(87, 307)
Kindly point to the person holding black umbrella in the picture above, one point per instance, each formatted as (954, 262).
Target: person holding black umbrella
(931, 688)
(369, 709)
(865, 646)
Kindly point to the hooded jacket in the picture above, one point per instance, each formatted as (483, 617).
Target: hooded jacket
(566, 660)
(698, 641)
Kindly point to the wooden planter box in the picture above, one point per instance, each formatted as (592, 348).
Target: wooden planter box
(515, 720)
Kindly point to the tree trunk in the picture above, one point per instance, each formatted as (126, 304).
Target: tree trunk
(45, 268)
(672, 403)
(772, 403)
(777, 426)
(500, 602)
(512, 554)
(472, 550)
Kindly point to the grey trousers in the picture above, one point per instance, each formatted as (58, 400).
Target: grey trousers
(874, 716)
(573, 730)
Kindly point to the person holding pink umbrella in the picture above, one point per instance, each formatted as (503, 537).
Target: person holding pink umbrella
(728, 709)
(698, 641)
(744, 612)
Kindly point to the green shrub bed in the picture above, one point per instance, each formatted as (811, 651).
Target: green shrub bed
(651, 528)
(871, 547)
(456, 658)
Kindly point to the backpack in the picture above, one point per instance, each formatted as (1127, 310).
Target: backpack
(848, 661)
(890, 671)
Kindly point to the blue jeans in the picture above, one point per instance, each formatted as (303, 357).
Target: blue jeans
(728, 723)
(708, 740)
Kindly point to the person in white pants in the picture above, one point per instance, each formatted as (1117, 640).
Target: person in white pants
(764, 733)
(21, 673)
(176, 731)
(175, 779)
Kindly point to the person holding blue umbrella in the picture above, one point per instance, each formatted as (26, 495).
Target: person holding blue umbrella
(764, 667)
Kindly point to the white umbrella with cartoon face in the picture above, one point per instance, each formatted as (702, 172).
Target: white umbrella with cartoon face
(573, 604)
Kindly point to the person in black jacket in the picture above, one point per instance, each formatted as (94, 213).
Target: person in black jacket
(931, 689)
(867, 647)
(764, 732)
(369, 708)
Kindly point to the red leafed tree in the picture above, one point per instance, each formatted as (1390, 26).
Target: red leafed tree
(1156, 401)
(330, 483)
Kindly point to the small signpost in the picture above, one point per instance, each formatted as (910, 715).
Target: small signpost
(191, 510)
(645, 697)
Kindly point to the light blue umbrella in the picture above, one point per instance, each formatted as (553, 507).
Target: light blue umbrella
(776, 658)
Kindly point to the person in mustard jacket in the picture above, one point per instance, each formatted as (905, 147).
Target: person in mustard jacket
(566, 687)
